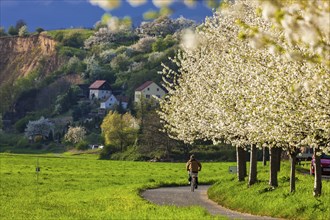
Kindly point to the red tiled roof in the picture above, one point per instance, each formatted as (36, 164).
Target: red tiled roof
(97, 84)
(144, 85)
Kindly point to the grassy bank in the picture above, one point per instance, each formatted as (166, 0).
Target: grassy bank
(260, 199)
(82, 187)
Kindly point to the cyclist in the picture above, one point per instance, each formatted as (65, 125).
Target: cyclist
(193, 166)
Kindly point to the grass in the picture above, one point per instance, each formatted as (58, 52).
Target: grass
(85, 33)
(82, 187)
(260, 199)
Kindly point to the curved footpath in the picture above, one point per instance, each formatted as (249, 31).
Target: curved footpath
(181, 196)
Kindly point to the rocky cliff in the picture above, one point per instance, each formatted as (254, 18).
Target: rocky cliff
(19, 56)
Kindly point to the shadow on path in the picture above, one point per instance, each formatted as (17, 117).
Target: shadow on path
(182, 196)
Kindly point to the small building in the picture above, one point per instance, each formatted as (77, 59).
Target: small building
(113, 101)
(100, 89)
(148, 90)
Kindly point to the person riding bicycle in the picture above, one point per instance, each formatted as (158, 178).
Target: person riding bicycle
(193, 166)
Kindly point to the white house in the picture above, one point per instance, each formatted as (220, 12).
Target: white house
(148, 90)
(112, 101)
(100, 89)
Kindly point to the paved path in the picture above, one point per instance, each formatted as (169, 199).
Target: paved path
(181, 196)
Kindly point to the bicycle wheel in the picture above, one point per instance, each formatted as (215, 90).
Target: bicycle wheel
(192, 184)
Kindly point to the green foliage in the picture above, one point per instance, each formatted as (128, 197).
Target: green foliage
(119, 130)
(221, 152)
(71, 52)
(2, 32)
(82, 145)
(23, 143)
(9, 139)
(20, 125)
(73, 40)
(94, 138)
(162, 44)
(81, 110)
(74, 65)
(131, 154)
(120, 63)
(12, 31)
(107, 152)
(39, 30)
(11, 91)
(64, 101)
(1, 123)
(71, 37)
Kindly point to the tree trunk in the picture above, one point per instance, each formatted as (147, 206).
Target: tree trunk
(253, 165)
(293, 160)
(244, 163)
(241, 163)
(279, 155)
(318, 176)
(273, 167)
(264, 160)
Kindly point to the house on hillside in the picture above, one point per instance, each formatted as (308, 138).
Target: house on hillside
(148, 90)
(99, 89)
(114, 101)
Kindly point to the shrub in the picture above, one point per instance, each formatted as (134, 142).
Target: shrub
(73, 40)
(71, 52)
(106, 152)
(75, 134)
(144, 44)
(2, 32)
(94, 138)
(20, 125)
(22, 143)
(107, 55)
(9, 139)
(82, 145)
(23, 31)
(36, 146)
(162, 44)
(39, 30)
(12, 31)
(120, 62)
(131, 154)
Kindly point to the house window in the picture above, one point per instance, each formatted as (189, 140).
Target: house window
(157, 89)
(158, 96)
(148, 96)
(148, 89)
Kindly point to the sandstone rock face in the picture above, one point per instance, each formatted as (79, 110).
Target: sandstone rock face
(19, 56)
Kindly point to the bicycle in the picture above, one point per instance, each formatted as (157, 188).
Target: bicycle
(193, 182)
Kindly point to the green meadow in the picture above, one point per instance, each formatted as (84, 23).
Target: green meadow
(260, 199)
(83, 187)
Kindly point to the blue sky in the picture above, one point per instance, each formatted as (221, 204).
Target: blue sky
(59, 14)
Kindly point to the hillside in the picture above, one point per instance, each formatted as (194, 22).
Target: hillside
(20, 56)
(48, 75)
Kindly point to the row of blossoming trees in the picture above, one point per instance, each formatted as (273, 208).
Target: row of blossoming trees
(256, 74)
